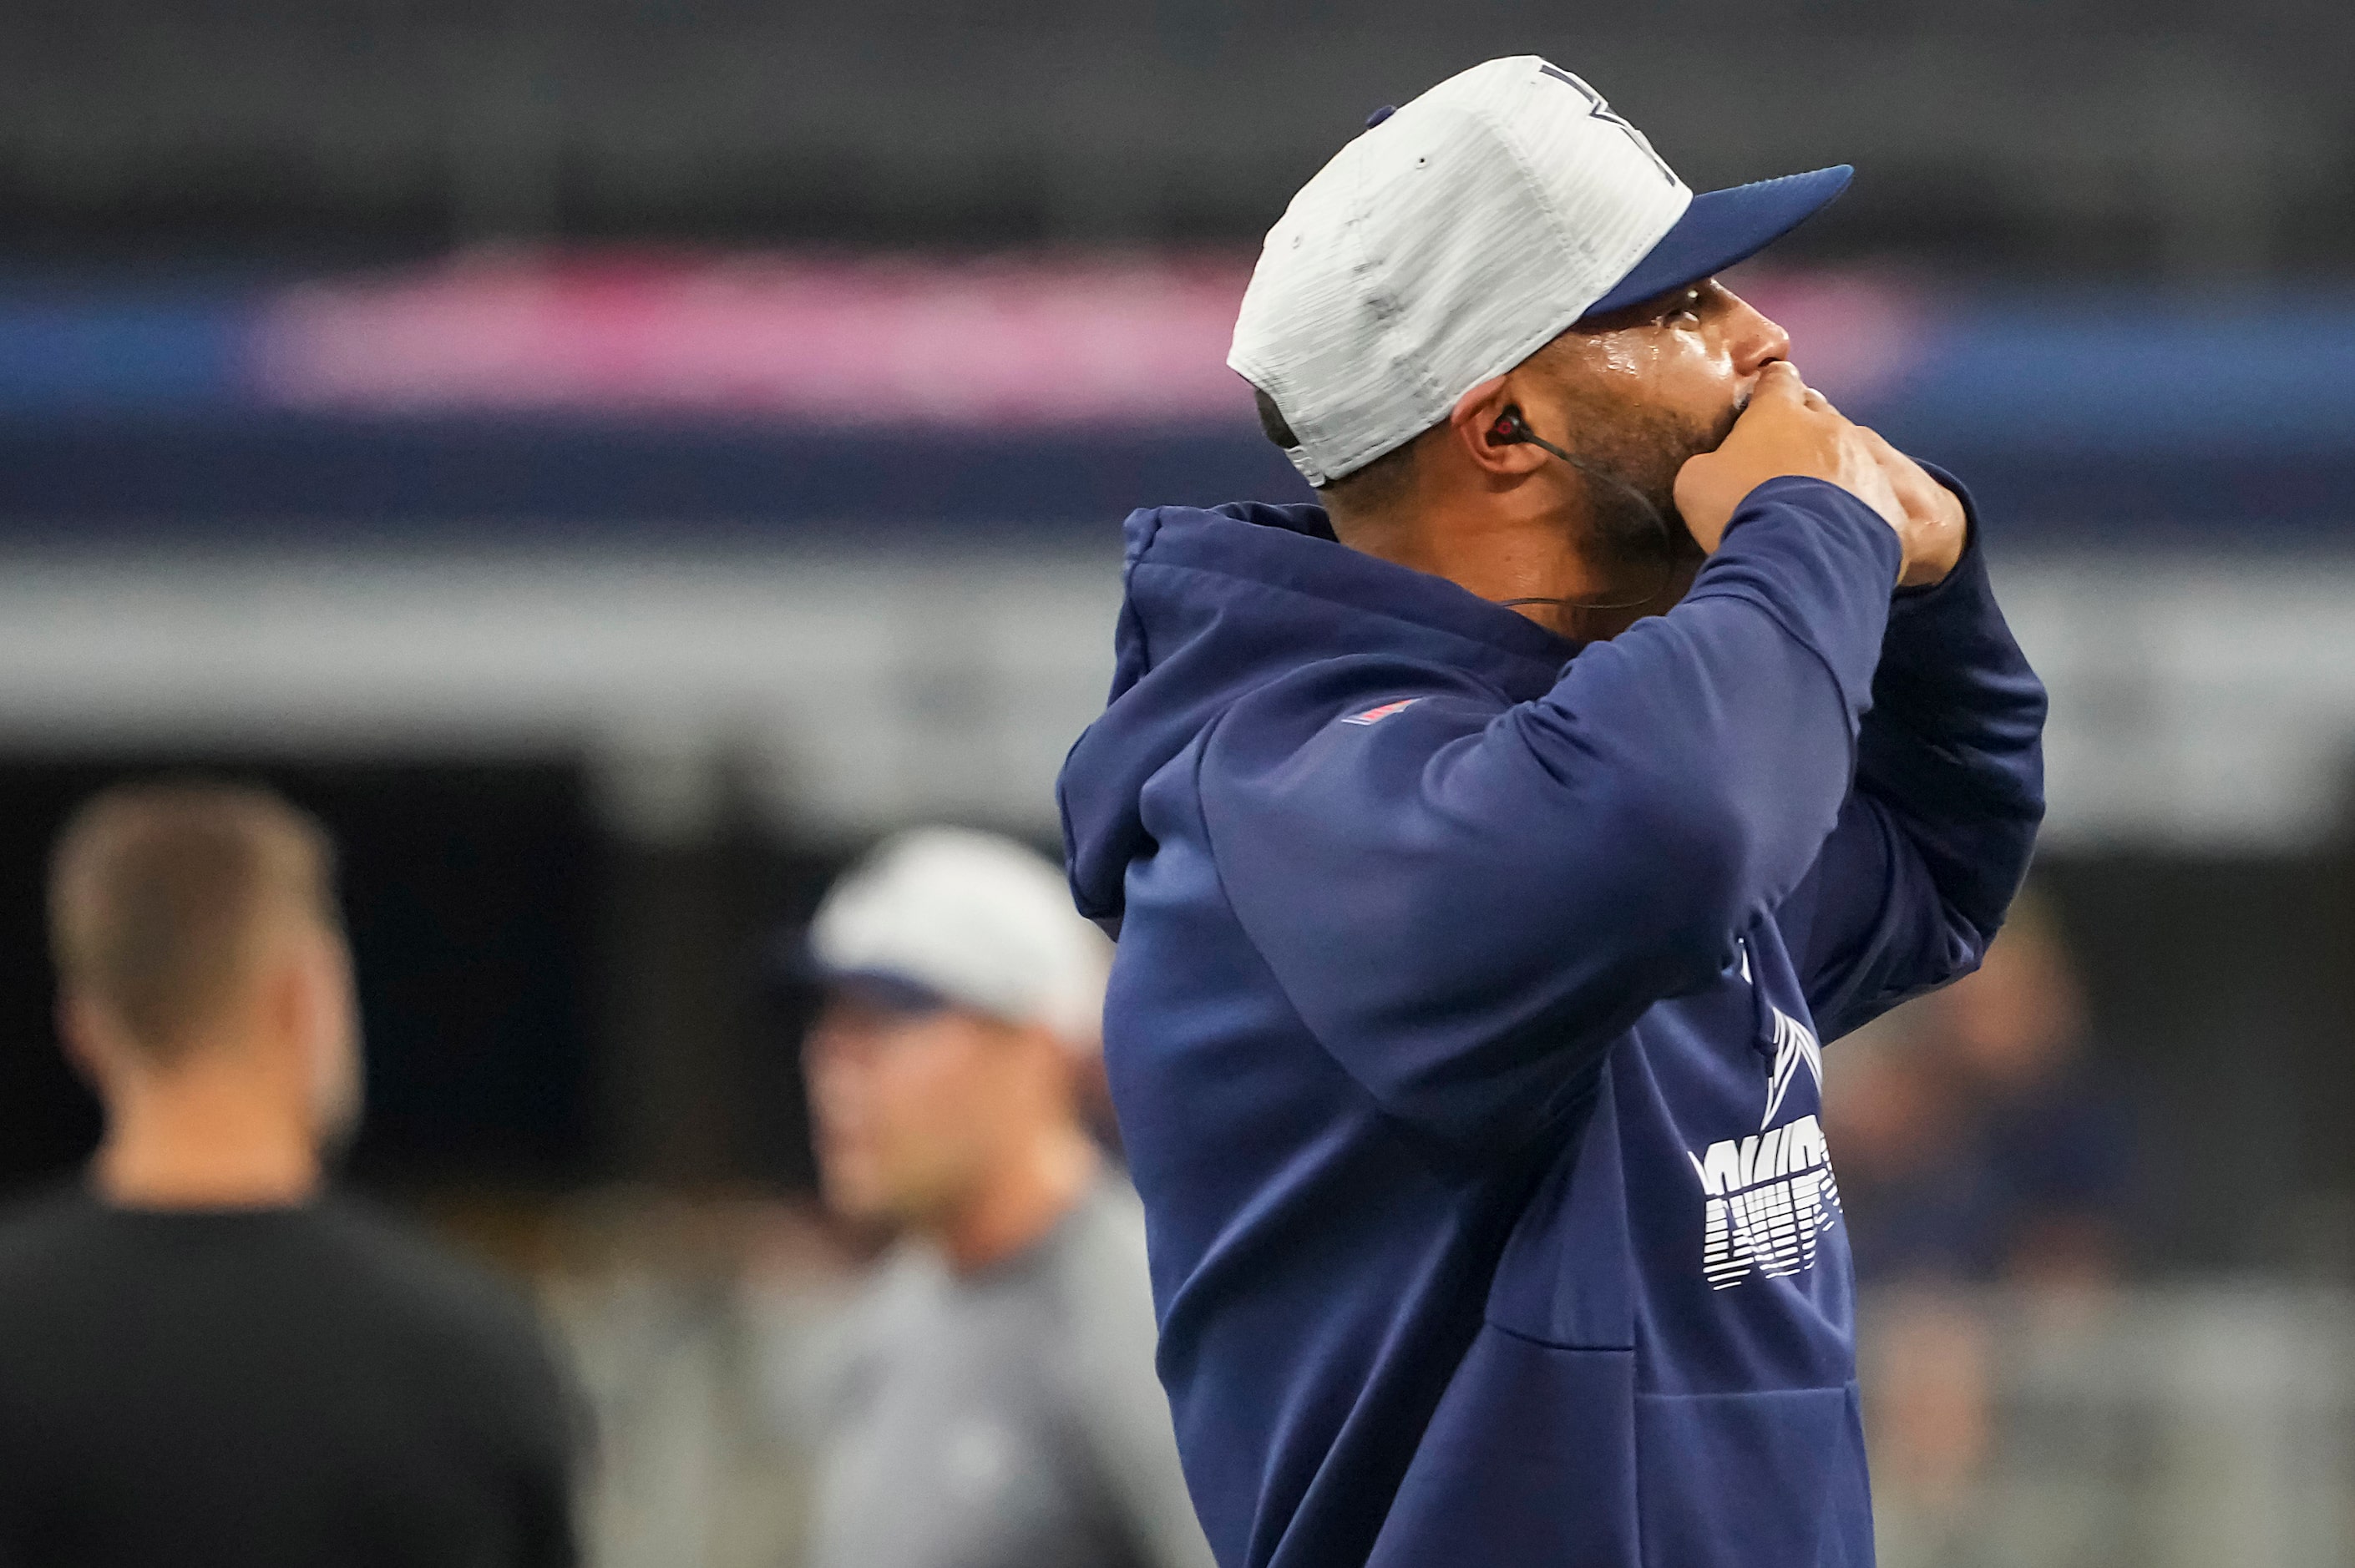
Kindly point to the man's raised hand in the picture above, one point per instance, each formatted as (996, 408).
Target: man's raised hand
(1934, 529)
(1792, 431)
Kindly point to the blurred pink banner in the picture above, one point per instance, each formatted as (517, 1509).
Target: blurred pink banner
(852, 342)
(992, 343)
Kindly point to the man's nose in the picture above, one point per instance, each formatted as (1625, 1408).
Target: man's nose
(1758, 341)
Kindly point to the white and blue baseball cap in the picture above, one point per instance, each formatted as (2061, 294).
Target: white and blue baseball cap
(945, 917)
(1459, 235)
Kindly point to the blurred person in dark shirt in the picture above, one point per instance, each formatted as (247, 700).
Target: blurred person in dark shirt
(2055, 1135)
(204, 1359)
(1978, 1142)
(1978, 1147)
(994, 1404)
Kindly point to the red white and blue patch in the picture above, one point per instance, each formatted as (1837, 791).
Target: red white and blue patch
(1376, 715)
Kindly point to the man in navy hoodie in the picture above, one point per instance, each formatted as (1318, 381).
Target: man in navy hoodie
(1491, 847)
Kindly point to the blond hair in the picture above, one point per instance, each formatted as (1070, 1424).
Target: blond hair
(161, 892)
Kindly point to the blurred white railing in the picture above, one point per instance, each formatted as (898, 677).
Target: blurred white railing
(2155, 1428)
(2196, 702)
(2180, 1427)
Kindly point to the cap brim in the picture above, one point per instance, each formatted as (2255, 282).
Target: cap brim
(791, 961)
(1722, 228)
(883, 990)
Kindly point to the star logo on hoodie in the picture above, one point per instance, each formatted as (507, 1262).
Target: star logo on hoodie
(1767, 1198)
(1795, 1046)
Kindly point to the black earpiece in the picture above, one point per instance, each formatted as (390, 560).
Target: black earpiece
(1512, 430)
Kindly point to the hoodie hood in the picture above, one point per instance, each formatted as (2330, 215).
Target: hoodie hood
(1220, 602)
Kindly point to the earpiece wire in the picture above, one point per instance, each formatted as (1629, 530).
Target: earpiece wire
(1521, 431)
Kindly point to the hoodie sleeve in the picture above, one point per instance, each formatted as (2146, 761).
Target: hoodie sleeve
(1934, 839)
(1467, 900)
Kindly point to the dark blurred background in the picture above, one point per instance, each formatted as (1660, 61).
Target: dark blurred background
(2159, 142)
(615, 460)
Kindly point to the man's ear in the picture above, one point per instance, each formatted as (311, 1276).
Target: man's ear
(82, 1038)
(1482, 428)
(1047, 1053)
(309, 992)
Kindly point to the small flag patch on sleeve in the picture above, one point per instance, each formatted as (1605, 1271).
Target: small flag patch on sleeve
(1376, 715)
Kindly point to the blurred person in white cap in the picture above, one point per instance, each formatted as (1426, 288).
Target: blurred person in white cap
(1493, 844)
(998, 1406)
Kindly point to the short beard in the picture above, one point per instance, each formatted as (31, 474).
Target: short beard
(1635, 523)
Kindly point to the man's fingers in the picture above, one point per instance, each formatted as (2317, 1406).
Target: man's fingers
(1789, 427)
(1882, 449)
(1780, 382)
(1912, 480)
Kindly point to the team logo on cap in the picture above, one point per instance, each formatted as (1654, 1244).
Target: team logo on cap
(1598, 109)
(1376, 715)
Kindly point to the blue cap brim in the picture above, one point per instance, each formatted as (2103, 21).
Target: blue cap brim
(883, 989)
(1722, 228)
(791, 960)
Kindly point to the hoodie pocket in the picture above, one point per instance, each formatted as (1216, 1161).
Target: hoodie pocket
(1758, 1480)
(1529, 1460)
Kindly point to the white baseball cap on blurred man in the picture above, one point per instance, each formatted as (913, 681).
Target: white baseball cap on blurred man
(948, 916)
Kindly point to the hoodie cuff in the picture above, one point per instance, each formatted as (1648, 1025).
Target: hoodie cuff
(1942, 634)
(1969, 572)
(1819, 561)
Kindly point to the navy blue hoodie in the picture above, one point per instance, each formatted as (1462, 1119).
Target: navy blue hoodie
(1464, 1027)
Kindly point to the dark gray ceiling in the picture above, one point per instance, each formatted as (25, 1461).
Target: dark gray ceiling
(2162, 139)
